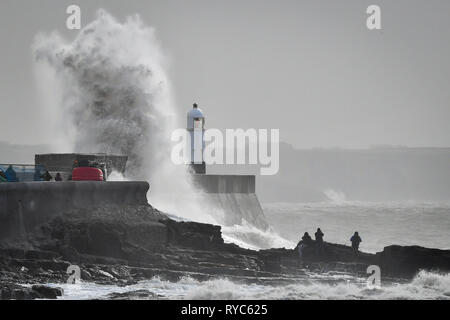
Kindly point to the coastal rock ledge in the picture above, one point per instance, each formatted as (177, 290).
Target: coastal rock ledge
(122, 245)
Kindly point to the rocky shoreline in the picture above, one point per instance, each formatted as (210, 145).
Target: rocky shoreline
(123, 245)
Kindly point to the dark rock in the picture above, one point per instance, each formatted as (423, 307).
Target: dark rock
(200, 236)
(10, 291)
(132, 295)
(46, 292)
(40, 254)
(408, 260)
(108, 235)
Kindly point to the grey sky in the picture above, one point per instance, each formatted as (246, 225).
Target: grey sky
(310, 68)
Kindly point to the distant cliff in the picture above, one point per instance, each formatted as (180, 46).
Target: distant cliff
(376, 174)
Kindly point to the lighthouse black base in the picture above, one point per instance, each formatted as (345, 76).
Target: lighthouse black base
(197, 168)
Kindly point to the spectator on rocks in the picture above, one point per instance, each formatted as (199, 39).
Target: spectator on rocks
(306, 239)
(356, 240)
(11, 174)
(58, 177)
(47, 176)
(305, 242)
(319, 236)
(3, 177)
(319, 241)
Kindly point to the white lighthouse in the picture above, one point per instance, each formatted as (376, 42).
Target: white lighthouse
(196, 128)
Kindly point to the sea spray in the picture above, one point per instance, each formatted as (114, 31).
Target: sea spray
(336, 197)
(113, 95)
(250, 237)
(110, 93)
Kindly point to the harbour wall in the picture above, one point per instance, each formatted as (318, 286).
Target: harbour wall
(235, 195)
(25, 205)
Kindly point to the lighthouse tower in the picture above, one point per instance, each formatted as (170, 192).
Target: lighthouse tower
(196, 129)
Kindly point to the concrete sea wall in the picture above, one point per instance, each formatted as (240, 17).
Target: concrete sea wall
(235, 195)
(24, 205)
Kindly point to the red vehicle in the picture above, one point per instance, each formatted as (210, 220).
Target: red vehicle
(87, 174)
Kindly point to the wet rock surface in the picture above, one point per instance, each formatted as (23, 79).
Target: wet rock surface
(133, 295)
(12, 291)
(123, 245)
(405, 261)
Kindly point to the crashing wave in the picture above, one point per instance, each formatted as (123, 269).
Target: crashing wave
(426, 285)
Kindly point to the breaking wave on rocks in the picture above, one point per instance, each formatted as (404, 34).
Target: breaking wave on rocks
(425, 285)
(250, 237)
(110, 93)
(113, 94)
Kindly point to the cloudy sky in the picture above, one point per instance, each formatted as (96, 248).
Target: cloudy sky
(310, 68)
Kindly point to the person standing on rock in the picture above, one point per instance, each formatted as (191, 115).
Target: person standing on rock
(10, 173)
(356, 240)
(305, 242)
(3, 177)
(47, 176)
(306, 239)
(319, 241)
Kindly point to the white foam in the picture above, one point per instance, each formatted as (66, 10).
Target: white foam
(250, 237)
(425, 285)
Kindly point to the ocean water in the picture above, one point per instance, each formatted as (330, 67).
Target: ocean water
(379, 224)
